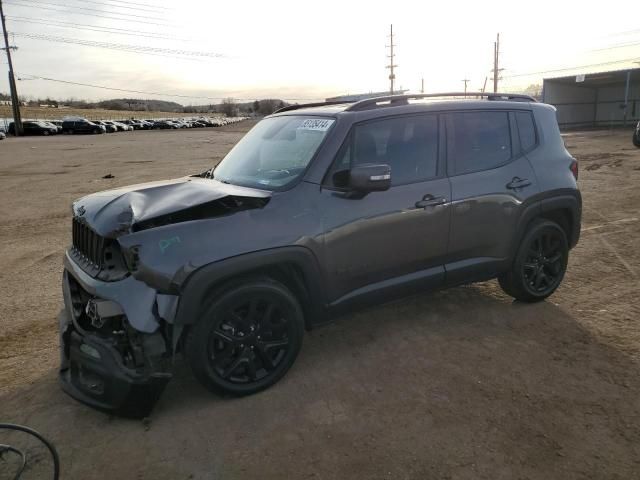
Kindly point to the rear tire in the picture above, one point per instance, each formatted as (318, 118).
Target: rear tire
(636, 139)
(247, 338)
(539, 264)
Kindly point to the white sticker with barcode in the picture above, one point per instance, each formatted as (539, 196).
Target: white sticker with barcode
(316, 124)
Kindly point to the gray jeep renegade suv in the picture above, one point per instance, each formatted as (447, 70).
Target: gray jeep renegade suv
(318, 209)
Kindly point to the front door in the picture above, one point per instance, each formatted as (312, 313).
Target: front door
(384, 241)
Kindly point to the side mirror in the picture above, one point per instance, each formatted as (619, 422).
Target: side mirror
(370, 178)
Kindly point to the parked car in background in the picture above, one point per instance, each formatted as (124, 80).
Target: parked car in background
(81, 125)
(57, 126)
(206, 122)
(636, 135)
(34, 128)
(2, 135)
(165, 125)
(135, 124)
(123, 127)
(110, 128)
(118, 127)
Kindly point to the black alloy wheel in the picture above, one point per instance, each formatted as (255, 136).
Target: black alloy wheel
(539, 263)
(543, 265)
(248, 339)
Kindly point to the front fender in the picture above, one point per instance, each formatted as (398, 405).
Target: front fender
(199, 284)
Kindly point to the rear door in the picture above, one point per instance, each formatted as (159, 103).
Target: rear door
(393, 240)
(492, 183)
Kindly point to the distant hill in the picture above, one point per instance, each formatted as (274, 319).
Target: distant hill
(228, 107)
(140, 105)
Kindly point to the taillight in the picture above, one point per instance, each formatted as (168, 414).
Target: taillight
(574, 169)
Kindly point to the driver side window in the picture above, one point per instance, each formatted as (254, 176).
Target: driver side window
(408, 144)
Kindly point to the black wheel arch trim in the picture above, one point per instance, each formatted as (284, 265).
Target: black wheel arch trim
(569, 200)
(201, 282)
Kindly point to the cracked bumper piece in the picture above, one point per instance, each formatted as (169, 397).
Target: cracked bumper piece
(93, 374)
(110, 360)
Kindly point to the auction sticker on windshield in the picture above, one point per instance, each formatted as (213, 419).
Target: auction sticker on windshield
(316, 124)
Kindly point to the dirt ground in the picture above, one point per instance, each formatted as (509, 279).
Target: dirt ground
(458, 384)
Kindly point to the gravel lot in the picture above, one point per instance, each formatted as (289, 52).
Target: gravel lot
(459, 384)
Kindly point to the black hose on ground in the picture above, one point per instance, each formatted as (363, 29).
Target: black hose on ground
(30, 431)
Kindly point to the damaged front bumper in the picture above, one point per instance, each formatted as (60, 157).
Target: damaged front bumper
(108, 363)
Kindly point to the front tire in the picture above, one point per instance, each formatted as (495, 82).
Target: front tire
(636, 138)
(540, 263)
(247, 339)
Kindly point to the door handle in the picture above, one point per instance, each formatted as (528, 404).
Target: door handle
(430, 201)
(517, 182)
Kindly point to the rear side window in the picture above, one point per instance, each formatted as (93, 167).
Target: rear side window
(526, 130)
(409, 145)
(478, 140)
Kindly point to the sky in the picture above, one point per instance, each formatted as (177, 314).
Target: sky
(305, 51)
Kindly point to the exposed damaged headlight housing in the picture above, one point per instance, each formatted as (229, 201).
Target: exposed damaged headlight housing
(131, 258)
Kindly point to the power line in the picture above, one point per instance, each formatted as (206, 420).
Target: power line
(118, 46)
(619, 45)
(627, 32)
(94, 28)
(162, 94)
(571, 68)
(136, 3)
(15, 3)
(74, 8)
(127, 5)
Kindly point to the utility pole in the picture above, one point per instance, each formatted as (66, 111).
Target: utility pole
(422, 87)
(391, 65)
(496, 62)
(465, 80)
(17, 122)
(484, 87)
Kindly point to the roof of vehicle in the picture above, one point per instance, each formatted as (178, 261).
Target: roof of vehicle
(419, 102)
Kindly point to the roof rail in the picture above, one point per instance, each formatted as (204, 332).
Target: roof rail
(309, 105)
(404, 99)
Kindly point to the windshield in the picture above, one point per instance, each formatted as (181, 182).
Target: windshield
(274, 153)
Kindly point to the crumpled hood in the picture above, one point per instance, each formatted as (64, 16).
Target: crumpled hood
(114, 212)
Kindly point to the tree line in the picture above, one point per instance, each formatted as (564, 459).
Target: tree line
(229, 106)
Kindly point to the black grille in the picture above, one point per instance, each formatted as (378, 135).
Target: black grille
(88, 244)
